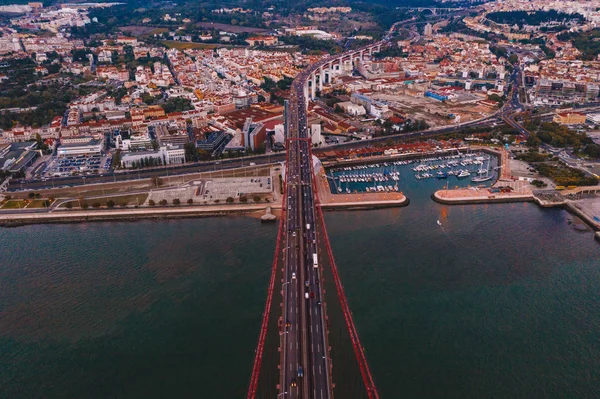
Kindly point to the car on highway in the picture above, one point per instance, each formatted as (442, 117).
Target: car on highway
(312, 294)
(293, 276)
(300, 372)
(293, 384)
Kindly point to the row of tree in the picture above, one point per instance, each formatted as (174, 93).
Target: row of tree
(147, 162)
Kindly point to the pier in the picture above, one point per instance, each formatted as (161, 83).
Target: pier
(505, 189)
(362, 200)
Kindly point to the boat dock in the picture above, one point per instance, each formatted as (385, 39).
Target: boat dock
(511, 191)
(363, 200)
(506, 189)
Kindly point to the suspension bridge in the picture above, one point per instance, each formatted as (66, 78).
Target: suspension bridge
(305, 366)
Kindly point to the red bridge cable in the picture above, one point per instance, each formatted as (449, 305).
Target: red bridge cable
(358, 348)
(265, 321)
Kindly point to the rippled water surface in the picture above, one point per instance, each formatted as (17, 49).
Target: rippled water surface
(499, 302)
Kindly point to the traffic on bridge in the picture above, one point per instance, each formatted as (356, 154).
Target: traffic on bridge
(305, 363)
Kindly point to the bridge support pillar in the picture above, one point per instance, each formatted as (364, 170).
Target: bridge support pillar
(306, 89)
(313, 86)
(321, 78)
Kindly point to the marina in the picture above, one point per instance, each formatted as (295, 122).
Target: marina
(458, 169)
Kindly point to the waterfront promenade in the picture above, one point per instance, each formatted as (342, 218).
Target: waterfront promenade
(512, 190)
(72, 216)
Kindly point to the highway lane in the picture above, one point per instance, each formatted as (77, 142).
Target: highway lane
(113, 177)
(304, 352)
(292, 315)
(317, 370)
(311, 341)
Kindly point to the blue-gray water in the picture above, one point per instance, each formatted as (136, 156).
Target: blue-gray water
(501, 301)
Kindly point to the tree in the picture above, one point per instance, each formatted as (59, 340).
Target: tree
(177, 104)
(217, 201)
(243, 198)
(191, 154)
(116, 161)
(69, 205)
(110, 204)
(85, 205)
(151, 203)
(96, 205)
(190, 201)
(163, 202)
(31, 195)
(256, 198)
(157, 181)
(176, 201)
(229, 200)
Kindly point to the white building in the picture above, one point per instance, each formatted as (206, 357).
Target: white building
(352, 109)
(428, 31)
(81, 145)
(315, 133)
(378, 110)
(279, 136)
(168, 155)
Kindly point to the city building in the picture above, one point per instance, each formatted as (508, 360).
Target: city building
(215, 143)
(428, 30)
(166, 155)
(80, 145)
(255, 135)
(569, 117)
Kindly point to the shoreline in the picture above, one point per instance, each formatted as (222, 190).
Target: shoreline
(131, 214)
(366, 205)
(15, 219)
(491, 199)
(498, 199)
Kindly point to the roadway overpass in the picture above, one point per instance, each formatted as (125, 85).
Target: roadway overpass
(323, 71)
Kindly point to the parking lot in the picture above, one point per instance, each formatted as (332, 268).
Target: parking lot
(224, 188)
(82, 165)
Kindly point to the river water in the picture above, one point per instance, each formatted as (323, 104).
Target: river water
(500, 301)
